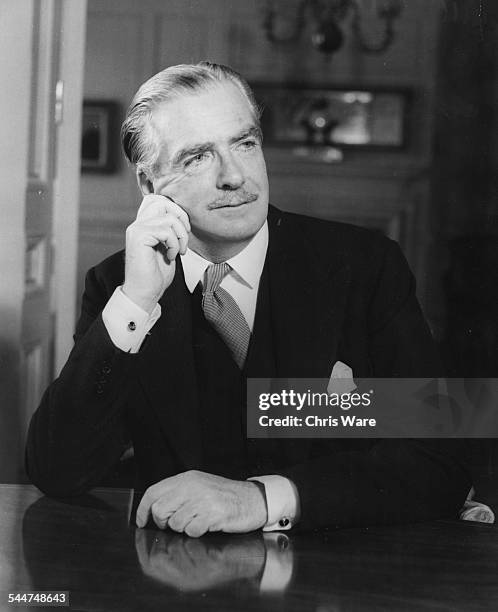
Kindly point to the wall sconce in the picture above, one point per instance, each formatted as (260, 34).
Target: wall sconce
(326, 15)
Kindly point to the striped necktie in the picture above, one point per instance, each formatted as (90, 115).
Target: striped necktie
(221, 310)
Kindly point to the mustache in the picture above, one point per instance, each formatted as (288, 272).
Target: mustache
(233, 198)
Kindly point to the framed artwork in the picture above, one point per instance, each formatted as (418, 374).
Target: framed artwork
(296, 115)
(99, 142)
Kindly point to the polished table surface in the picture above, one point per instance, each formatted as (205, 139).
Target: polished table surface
(89, 549)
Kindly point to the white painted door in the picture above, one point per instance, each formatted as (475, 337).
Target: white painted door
(44, 113)
(42, 46)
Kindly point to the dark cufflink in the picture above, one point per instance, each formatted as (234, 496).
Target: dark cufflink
(132, 326)
(283, 522)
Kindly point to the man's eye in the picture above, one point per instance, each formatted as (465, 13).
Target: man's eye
(196, 159)
(248, 144)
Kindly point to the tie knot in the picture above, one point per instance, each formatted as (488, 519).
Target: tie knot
(214, 274)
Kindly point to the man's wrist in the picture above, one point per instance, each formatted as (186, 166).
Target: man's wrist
(282, 501)
(262, 502)
(127, 324)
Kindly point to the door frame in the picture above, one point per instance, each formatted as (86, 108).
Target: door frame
(67, 180)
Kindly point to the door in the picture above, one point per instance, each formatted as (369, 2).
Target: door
(44, 113)
(40, 42)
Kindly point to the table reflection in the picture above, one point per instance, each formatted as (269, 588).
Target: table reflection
(263, 562)
(89, 548)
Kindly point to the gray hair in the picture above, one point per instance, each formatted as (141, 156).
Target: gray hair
(138, 139)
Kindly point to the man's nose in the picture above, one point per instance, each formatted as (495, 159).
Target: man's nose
(231, 172)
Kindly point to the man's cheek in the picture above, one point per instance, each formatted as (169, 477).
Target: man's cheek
(256, 173)
(191, 191)
(170, 186)
(176, 190)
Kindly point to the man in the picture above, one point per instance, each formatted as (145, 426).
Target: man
(213, 289)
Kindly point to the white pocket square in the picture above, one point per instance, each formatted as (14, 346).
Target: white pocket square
(341, 379)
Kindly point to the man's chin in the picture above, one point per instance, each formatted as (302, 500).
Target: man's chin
(241, 220)
(242, 236)
(233, 233)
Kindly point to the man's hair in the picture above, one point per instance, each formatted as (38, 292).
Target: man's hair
(140, 144)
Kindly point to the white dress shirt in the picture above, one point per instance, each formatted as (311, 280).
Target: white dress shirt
(242, 283)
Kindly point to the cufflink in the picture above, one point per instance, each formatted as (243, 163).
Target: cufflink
(132, 326)
(283, 522)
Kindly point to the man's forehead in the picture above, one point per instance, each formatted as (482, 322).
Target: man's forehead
(191, 118)
(201, 107)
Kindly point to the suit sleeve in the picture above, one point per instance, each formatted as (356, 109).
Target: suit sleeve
(79, 430)
(391, 480)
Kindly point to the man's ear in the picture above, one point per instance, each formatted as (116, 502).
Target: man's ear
(144, 183)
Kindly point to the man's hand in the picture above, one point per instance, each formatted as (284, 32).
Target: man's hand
(195, 502)
(153, 241)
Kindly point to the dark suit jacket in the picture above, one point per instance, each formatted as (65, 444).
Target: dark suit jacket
(337, 293)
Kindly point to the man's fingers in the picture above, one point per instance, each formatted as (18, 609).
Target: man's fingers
(165, 229)
(180, 231)
(197, 527)
(154, 233)
(181, 518)
(165, 494)
(150, 496)
(154, 205)
(178, 211)
(172, 245)
(143, 510)
(161, 512)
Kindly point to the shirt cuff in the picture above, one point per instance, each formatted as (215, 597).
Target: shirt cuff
(282, 500)
(127, 324)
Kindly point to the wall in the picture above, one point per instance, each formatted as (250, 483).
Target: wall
(465, 187)
(129, 41)
(465, 206)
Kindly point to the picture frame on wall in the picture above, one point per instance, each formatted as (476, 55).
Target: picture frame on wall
(99, 138)
(345, 117)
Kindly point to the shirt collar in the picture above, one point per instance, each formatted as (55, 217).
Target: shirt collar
(247, 265)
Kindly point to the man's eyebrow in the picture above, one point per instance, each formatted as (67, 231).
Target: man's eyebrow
(254, 132)
(195, 149)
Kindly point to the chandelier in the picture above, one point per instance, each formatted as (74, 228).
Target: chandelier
(326, 16)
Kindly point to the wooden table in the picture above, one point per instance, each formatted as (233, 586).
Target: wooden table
(89, 549)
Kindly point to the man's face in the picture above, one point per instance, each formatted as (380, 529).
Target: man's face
(212, 165)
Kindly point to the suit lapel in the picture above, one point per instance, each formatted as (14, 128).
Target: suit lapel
(167, 373)
(308, 297)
